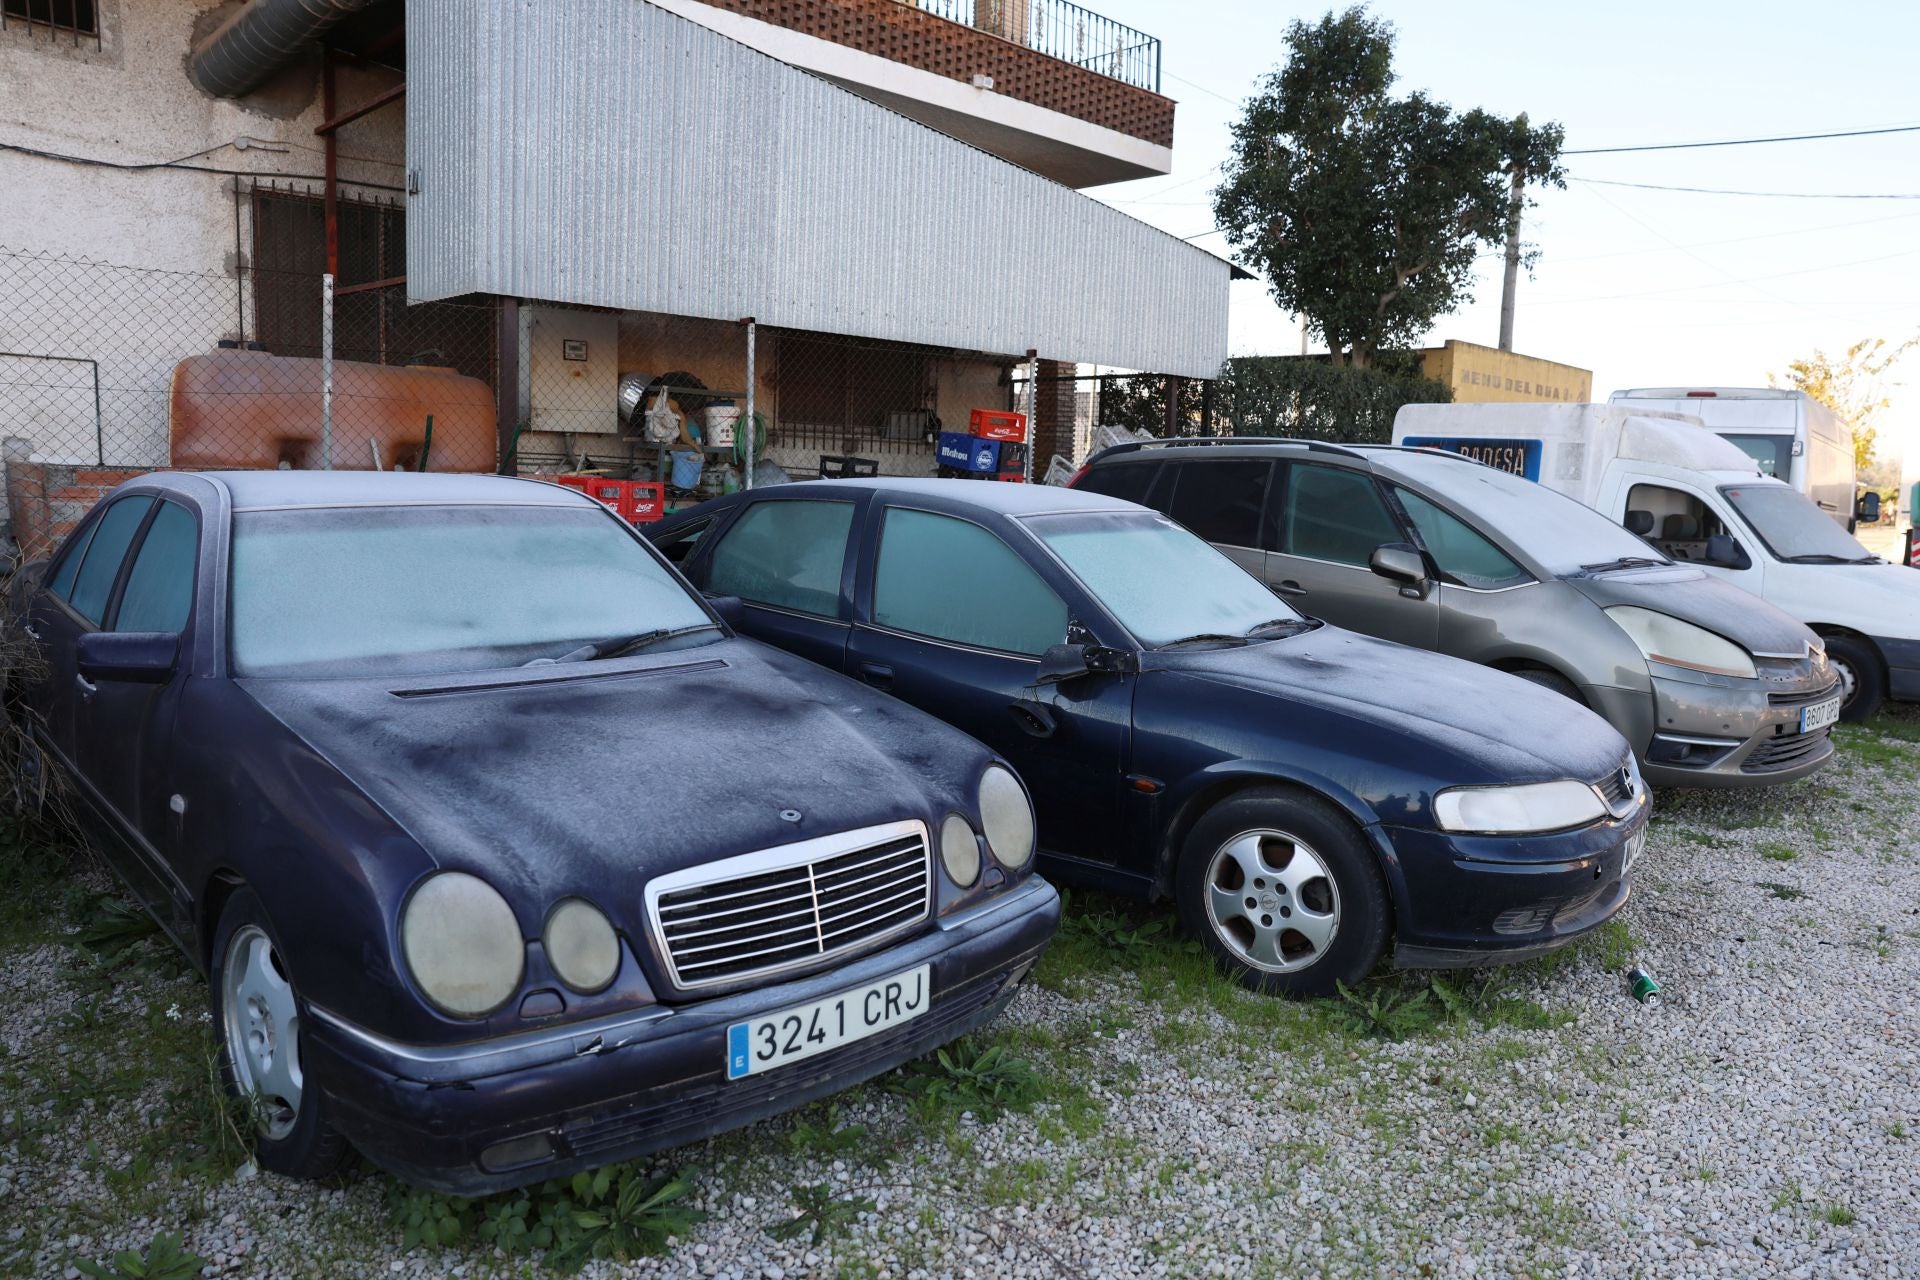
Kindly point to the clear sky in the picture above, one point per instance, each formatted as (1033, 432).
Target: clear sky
(1643, 287)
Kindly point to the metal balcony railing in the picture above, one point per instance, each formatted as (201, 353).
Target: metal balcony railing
(1064, 31)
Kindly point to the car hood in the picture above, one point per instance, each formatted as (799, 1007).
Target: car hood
(1487, 725)
(1695, 596)
(594, 778)
(1882, 599)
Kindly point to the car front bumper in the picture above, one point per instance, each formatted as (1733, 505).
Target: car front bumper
(1716, 732)
(473, 1119)
(1466, 901)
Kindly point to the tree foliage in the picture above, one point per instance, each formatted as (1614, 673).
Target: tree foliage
(1851, 386)
(1306, 397)
(1365, 211)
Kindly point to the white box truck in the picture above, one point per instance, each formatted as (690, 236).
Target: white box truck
(1787, 433)
(1703, 500)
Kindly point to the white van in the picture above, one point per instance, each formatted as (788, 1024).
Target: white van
(1700, 499)
(1788, 434)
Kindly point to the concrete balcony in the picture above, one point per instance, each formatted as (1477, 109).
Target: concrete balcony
(1042, 83)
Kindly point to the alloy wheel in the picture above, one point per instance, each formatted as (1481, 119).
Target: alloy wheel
(1272, 901)
(262, 1030)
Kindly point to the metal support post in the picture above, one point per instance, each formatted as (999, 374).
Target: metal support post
(326, 372)
(1033, 403)
(746, 480)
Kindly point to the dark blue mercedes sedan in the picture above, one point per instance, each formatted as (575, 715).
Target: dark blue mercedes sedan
(1303, 792)
(503, 855)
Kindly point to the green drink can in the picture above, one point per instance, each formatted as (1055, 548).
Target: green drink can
(1642, 985)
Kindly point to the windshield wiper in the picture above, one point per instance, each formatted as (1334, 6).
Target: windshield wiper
(622, 644)
(1291, 625)
(1822, 557)
(1626, 562)
(1204, 635)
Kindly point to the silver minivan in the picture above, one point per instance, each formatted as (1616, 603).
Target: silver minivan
(1711, 685)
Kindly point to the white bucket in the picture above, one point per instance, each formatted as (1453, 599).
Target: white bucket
(722, 420)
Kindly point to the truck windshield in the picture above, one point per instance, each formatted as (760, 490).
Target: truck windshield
(1773, 454)
(1792, 527)
(415, 590)
(1563, 536)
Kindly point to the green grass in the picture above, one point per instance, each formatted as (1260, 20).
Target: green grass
(1785, 892)
(1839, 1215)
(1775, 851)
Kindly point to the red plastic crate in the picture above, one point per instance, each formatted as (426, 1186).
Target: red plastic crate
(994, 424)
(646, 501)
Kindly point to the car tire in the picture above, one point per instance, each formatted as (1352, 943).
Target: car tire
(1550, 680)
(1267, 860)
(1862, 685)
(257, 1017)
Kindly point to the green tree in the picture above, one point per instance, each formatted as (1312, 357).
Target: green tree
(1365, 211)
(1851, 386)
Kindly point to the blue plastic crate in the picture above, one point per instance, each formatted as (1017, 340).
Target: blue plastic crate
(969, 453)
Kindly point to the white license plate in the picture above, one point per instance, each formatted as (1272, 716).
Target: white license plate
(1636, 845)
(1820, 715)
(804, 1030)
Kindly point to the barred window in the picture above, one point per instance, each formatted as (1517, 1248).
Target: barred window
(61, 17)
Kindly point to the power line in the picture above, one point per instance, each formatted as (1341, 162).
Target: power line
(1745, 142)
(1782, 195)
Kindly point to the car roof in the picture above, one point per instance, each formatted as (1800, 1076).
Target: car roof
(995, 496)
(254, 490)
(1203, 447)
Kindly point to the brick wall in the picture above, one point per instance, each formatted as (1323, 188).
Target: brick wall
(1053, 413)
(904, 34)
(46, 500)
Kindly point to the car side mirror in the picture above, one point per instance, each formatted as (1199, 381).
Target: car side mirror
(1400, 563)
(1725, 552)
(732, 609)
(1064, 662)
(136, 657)
(1867, 509)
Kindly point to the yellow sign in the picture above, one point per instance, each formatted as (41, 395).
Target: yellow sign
(1477, 374)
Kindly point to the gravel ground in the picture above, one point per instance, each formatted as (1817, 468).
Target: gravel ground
(1763, 1119)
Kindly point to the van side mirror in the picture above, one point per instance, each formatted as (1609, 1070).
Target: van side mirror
(136, 657)
(1867, 509)
(1400, 563)
(1725, 552)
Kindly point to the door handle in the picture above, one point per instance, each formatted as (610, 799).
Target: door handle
(1288, 587)
(877, 674)
(31, 633)
(87, 687)
(1034, 718)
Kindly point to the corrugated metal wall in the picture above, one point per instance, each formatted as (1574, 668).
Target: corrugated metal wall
(610, 153)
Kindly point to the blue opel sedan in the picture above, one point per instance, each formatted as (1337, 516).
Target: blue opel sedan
(504, 856)
(1306, 794)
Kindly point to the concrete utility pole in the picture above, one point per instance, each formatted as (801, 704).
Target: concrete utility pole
(1513, 260)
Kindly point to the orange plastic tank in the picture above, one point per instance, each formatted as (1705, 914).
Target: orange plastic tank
(249, 409)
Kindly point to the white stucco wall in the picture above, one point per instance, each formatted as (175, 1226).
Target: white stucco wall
(170, 285)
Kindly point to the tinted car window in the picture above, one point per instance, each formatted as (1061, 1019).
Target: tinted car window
(1334, 514)
(1462, 554)
(94, 582)
(1121, 480)
(678, 545)
(159, 592)
(787, 554)
(945, 578)
(400, 590)
(1221, 500)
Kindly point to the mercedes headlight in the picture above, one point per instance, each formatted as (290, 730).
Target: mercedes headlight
(1519, 810)
(959, 851)
(1664, 638)
(1007, 817)
(581, 945)
(462, 944)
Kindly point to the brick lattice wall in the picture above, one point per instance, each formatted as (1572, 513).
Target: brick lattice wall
(901, 33)
(46, 500)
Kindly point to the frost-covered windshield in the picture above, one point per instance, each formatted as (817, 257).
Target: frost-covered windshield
(1161, 582)
(1561, 534)
(397, 590)
(1792, 527)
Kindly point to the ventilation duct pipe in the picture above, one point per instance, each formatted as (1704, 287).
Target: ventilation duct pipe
(264, 36)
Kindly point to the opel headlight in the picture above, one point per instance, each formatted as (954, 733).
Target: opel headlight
(462, 944)
(1007, 817)
(581, 945)
(959, 851)
(1664, 638)
(1519, 810)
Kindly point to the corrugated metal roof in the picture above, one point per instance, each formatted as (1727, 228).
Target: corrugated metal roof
(610, 153)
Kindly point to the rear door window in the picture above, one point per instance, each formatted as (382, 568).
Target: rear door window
(159, 590)
(1127, 481)
(1221, 500)
(1335, 515)
(93, 583)
(948, 579)
(787, 553)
